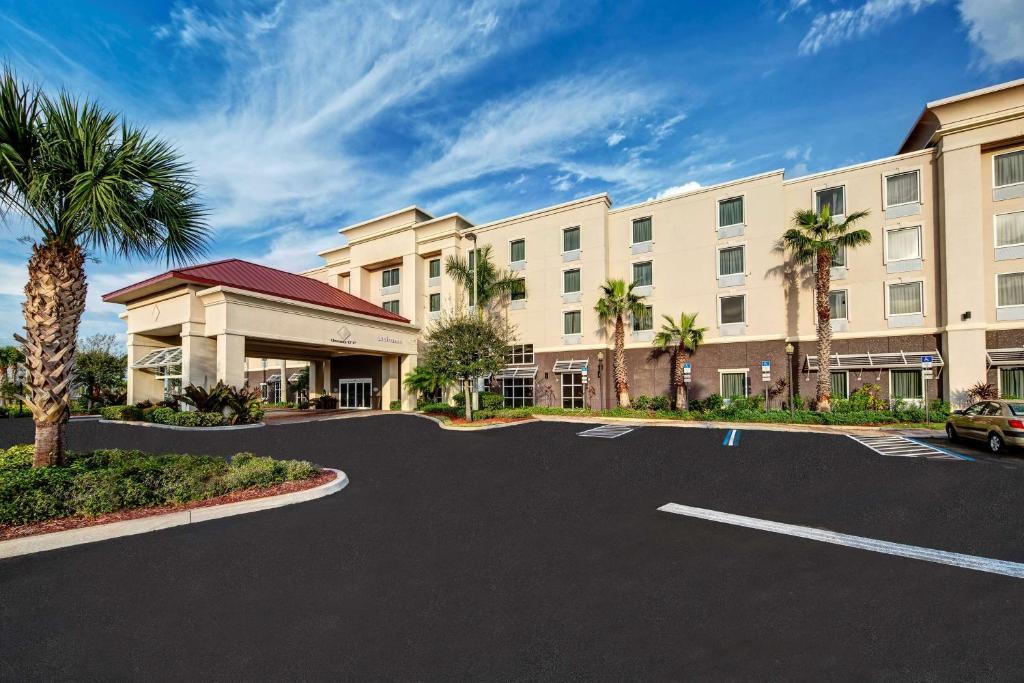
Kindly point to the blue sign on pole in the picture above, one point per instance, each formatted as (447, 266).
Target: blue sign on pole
(766, 364)
(686, 366)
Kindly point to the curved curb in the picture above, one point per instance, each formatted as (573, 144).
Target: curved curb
(451, 428)
(222, 428)
(102, 532)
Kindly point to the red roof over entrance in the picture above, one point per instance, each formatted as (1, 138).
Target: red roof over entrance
(256, 278)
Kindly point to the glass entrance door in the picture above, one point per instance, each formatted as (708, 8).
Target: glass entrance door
(355, 393)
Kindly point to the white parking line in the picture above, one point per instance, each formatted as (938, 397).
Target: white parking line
(607, 431)
(902, 447)
(981, 564)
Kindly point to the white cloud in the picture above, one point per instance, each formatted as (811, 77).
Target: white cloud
(678, 189)
(615, 138)
(996, 28)
(838, 26)
(191, 26)
(792, 7)
(666, 126)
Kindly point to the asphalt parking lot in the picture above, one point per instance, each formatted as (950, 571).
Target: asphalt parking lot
(530, 552)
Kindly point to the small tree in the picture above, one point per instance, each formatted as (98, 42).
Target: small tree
(491, 283)
(617, 301)
(428, 380)
(682, 337)
(100, 368)
(467, 347)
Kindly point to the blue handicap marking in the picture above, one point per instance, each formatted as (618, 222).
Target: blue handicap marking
(732, 438)
(766, 364)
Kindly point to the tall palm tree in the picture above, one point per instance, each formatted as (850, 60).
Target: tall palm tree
(491, 282)
(683, 337)
(87, 183)
(815, 239)
(617, 301)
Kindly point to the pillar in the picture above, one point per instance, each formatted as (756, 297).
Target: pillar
(325, 373)
(413, 277)
(314, 378)
(408, 364)
(359, 284)
(198, 356)
(231, 359)
(142, 386)
(390, 381)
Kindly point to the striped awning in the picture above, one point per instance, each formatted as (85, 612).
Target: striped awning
(570, 365)
(876, 361)
(516, 371)
(997, 357)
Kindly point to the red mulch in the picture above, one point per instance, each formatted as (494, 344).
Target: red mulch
(51, 525)
(463, 422)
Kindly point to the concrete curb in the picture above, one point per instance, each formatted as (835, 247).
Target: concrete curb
(223, 428)
(102, 532)
(695, 424)
(468, 428)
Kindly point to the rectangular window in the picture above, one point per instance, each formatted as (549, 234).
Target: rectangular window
(642, 230)
(902, 188)
(834, 198)
(435, 268)
(732, 309)
(837, 304)
(643, 274)
(730, 212)
(390, 277)
(903, 244)
(733, 384)
(1010, 289)
(1010, 229)
(840, 384)
(906, 384)
(1011, 382)
(518, 292)
(645, 321)
(435, 303)
(472, 259)
(517, 250)
(571, 281)
(517, 391)
(1009, 168)
(572, 390)
(906, 298)
(520, 354)
(391, 306)
(571, 239)
(572, 322)
(730, 261)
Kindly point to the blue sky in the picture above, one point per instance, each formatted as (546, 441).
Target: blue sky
(301, 116)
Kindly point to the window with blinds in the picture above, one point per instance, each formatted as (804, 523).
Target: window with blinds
(571, 239)
(643, 274)
(1011, 382)
(518, 292)
(644, 321)
(1010, 229)
(837, 304)
(1009, 168)
(391, 306)
(517, 250)
(733, 384)
(571, 281)
(906, 384)
(903, 244)
(730, 261)
(732, 309)
(642, 230)
(435, 303)
(435, 268)
(902, 188)
(840, 384)
(572, 322)
(906, 298)
(390, 277)
(1010, 289)
(730, 212)
(834, 198)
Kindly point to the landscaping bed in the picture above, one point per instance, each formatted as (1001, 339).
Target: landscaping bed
(113, 485)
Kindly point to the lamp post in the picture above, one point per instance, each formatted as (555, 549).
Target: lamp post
(600, 367)
(789, 371)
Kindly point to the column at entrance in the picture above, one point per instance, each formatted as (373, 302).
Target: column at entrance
(390, 380)
(231, 359)
(142, 386)
(407, 365)
(198, 356)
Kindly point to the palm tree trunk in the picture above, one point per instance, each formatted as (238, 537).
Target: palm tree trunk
(823, 282)
(54, 302)
(621, 377)
(681, 403)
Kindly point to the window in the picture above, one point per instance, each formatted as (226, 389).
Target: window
(472, 259)
(435, 303)
(517, 250)
(840, 384)
(1010, 229)
(834, 198)
(838, 259)
(1010, 289)
(519, 354)
(572, 322)
(903, 244)
(902, 188)
(1009, 168)
(643, 274)
(644, 322)
(571, 281)
(572, 390)
(642, 230)
(435, 268)
(733, 384)
(837, 305)
(1011, 383)
(905, 298)
(391, 306)
(906, 384)
(730, 212)
(730, 261)
(518, 292)
(571, 239)
(390, 277)
(517, 391)
(732, 309)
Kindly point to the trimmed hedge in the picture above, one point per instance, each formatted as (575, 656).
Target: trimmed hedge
(15, 411)
(167, 416)
(106, 481)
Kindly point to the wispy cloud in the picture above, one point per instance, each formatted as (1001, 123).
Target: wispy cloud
(996, 28)
(838, 26)
(615, 138)
(793, 6)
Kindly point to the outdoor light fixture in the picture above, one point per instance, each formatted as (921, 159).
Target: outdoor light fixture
(966, 315)
(789, 373)
(600, 363)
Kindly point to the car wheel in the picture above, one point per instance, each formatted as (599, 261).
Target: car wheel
(995, 443)
(951, 433)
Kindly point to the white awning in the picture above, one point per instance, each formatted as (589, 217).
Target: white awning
(273, 379)
(997, 357)
(294, 377)
(876, 361)
(160, 358)
(570, 365)
(516, 371)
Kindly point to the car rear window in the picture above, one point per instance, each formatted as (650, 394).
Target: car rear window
(1016, 408)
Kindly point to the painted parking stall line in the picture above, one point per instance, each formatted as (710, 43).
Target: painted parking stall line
(902, 447)
(732, 438)
(974, 562)
(608, 431)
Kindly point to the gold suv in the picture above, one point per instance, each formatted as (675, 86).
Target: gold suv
(997, 423)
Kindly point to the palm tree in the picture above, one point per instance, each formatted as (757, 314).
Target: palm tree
(618, 300)
(683, 337)
(86, 182)
(491, 283)
(816, 239)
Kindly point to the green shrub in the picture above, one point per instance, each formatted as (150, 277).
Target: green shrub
(641, 402)
(442, 408)
(192, 477)
(511, 413)
(712, 402)
(31, 495)
(490, 400)
(326, 402)
(122, 413)
(163, 416)
(16, 457)
(247, 470)
(661, 403)
(296, 470)
(459, 399)
(395, 405)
